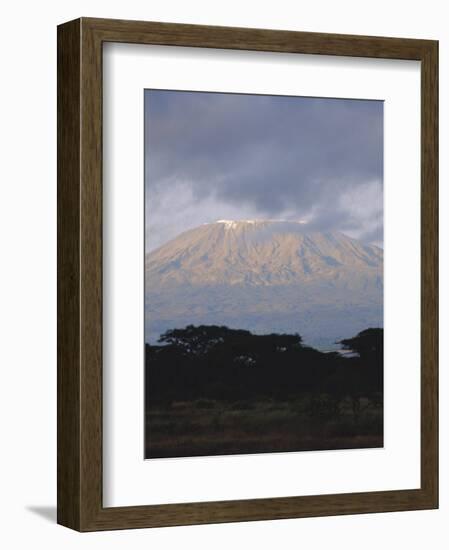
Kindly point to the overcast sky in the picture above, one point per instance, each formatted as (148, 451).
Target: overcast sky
(212, 156)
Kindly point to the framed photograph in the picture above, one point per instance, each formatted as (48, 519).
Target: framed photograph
(247, 274)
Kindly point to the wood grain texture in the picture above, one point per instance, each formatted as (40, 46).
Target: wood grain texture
(429, 271)
(143, 32)
(69, 409)
(80, 274)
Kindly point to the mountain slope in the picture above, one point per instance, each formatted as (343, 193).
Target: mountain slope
(265, 276)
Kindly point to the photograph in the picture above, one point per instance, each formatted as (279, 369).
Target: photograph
(263, 273)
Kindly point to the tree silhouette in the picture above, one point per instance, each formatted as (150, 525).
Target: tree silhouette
(368, 344)
(217, 362)
(202, 339)
(367, 378)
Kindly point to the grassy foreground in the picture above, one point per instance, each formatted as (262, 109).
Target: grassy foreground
(207, 427)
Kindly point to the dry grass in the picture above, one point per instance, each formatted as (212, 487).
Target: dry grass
(206, 427)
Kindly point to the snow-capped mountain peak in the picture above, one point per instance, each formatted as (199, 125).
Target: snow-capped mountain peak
(265, 275)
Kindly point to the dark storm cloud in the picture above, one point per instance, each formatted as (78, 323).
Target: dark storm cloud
(289, 157)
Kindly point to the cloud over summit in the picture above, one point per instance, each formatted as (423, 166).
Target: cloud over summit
(212, 156)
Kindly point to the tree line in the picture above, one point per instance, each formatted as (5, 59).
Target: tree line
(220, 363)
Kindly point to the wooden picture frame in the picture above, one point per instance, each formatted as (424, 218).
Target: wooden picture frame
(80, 503)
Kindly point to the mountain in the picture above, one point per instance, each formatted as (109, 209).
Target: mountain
(265, 276)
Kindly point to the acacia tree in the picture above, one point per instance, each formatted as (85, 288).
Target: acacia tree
(369, 343)
(202, 339)
(199, 340)
(367, 376)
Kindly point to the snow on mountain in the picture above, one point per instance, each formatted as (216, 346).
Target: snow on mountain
(265, 276)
